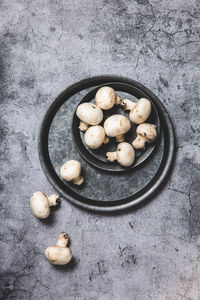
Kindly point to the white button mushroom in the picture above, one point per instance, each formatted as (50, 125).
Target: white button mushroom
(117, 126)
(106, 98)
(40, 204)
(139, 112)
(146, 133)
(71, 171)
(95, 136)
(89, 114)
(59, 254)
(125, 154)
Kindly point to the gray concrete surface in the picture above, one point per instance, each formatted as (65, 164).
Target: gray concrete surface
(150, 253)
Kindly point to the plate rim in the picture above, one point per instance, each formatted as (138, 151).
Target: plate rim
(49, 171)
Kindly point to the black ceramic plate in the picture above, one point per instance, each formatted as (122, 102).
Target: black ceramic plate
(102, 191)
(97, 157)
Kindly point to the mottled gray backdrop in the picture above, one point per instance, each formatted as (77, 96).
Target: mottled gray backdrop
(150, 253)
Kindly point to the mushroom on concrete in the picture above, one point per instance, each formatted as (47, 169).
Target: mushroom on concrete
(125, 154)
(89, 114)
(71, 171)
(40, 204)
(139, 112)
(106, 98)
(146, 133)
(95, 136)
(117, 126)
(59, 254)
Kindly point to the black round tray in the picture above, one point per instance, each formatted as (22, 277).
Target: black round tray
(97, 157)
(101, 191)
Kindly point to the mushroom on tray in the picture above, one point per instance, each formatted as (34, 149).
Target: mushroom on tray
(146, 133)
(89, 114)
(106, 98)
(117, 126)
(71, 171)
(95, 137)
(139, 112)
(125, 155)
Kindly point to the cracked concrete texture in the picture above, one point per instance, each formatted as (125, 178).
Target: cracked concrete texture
(150, 253)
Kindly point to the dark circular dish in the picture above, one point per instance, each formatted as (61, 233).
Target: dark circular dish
(97, 157)
(73, 195)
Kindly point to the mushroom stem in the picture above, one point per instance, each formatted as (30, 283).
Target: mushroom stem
(111, 156)
(106, 140)
(119, 138)
(127, 104)
(83, 126)
(139, 142)
(63, 240)
(53, 200)
(79, 180)
(118, 100)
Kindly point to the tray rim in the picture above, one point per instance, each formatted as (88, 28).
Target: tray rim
(132, 200)
(109, 168)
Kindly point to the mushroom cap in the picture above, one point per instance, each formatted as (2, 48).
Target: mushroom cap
(125, 154)
(147, 131)
(39, 205)
(58, 255)
(89, 113)
(141, 111)
(105, 97)
(70, 170)
(94, 136)
(139, 142)
(116, 125)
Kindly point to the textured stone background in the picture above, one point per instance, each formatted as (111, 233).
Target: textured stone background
(150, 253)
